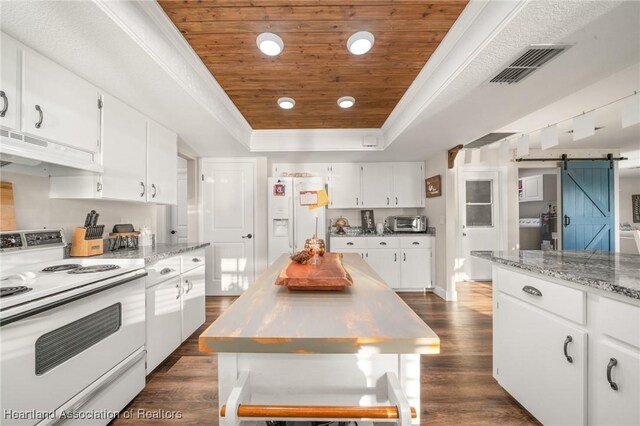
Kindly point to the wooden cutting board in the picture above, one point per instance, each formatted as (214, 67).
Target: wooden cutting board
(328, 275)
(7, 209)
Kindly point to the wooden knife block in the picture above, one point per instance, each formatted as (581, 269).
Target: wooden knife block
(83, 247)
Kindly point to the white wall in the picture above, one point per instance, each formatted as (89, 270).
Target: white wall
(34, 208)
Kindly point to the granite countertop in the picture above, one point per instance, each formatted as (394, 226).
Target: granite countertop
(368, 317)
(613, 272)
(386, 234)
(154, 253)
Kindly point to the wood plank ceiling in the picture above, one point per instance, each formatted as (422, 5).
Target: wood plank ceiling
(315, 67)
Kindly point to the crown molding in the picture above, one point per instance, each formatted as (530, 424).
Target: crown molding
(315, 140)
(475, 28)
(149, 27)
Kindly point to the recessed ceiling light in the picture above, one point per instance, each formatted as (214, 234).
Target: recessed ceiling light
(360, 42)
(346, 102)
(270, 44)
(286, 103)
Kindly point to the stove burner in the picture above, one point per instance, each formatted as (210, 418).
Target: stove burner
(65, 267)
(10, 291)
(93, 268)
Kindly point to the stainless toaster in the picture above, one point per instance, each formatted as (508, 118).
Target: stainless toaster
(406, 223)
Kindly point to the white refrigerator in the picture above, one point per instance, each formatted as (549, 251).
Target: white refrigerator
(291, 221)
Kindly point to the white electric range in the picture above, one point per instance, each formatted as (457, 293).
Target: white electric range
(72, 332)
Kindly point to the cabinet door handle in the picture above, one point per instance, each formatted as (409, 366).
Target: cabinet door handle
(531, 290)
(165, 271)
(387, 200)
(404, 256)
(5, 102)
(568, 340)
(188, 286)
(382, 243)
(144, 189)
(349, 243)
(40, 117)
(612, 363)
(179, 291)
(155, 191)
(395, 257)
(357, 201)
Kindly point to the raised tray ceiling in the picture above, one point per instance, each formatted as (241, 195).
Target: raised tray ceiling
(315, 67)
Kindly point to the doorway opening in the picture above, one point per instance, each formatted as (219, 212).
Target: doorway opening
(539, 208)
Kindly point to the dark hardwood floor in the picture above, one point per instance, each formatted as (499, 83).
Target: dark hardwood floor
(457, 385)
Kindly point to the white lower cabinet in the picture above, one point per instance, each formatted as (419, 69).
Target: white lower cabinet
(541, 361)
(193, 301)
(403, 262)
(164, 331)
(175, 304)
(569, 356)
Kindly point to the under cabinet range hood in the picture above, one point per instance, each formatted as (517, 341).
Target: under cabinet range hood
(23, 151)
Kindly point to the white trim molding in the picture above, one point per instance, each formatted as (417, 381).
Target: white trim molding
(317, 140)
(149, 27)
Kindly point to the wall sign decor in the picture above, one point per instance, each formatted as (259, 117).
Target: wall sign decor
(635, 207)
(433, 186)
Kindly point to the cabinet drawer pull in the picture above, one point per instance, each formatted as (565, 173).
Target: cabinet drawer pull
(612, 363)
(165, 271)
(415, 243)
(382, 243)
(195, 259)
(568, 340)
(5, 107)
(144, 189)
(531, 290)
(40, 117)
(349, 243)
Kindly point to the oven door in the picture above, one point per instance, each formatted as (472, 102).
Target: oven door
(52, 353)
(405, 224)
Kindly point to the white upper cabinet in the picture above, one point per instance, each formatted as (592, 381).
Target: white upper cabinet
(408, 185)
(377, 184)
(58, 105)
(344, 186)
(124, 153)
(9, 96)
(162, 166)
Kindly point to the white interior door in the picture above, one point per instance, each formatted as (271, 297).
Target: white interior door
(228, 201)
(178, 231)
(480, 221)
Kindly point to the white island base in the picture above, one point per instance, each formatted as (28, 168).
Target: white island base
(334, 381)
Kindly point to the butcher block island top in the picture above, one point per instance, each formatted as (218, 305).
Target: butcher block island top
(367, 316)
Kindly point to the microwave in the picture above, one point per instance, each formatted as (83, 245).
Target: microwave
(406, 223)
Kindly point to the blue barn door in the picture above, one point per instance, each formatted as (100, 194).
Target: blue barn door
(587, 205)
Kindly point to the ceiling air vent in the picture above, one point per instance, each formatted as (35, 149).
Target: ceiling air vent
(488, 139)
(533, 58)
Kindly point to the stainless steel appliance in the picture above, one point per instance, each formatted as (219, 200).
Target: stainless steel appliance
(72, 332)
(406, 223)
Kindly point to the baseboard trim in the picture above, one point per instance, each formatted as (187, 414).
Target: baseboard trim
(449, 296)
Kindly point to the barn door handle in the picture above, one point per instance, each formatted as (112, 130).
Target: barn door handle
(567, 220)
(612, 363)
(568, 340)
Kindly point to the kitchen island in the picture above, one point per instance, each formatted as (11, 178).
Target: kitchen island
(320, 355)
(566, 334)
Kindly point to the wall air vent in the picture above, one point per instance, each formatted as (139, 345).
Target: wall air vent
(532, 59)
(488, 139)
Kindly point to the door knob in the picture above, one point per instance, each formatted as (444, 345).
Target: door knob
(173, 232)
(247, 236)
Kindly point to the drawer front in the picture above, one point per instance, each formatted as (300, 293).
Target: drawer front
(383, 243)
(340, 243)
(163, 269)
(192, 260)
(416, 242)
(620, 320)
(563, 301)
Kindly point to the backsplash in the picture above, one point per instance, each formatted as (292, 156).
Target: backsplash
(35, 210)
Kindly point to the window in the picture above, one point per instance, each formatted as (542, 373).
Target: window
(479, 206)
